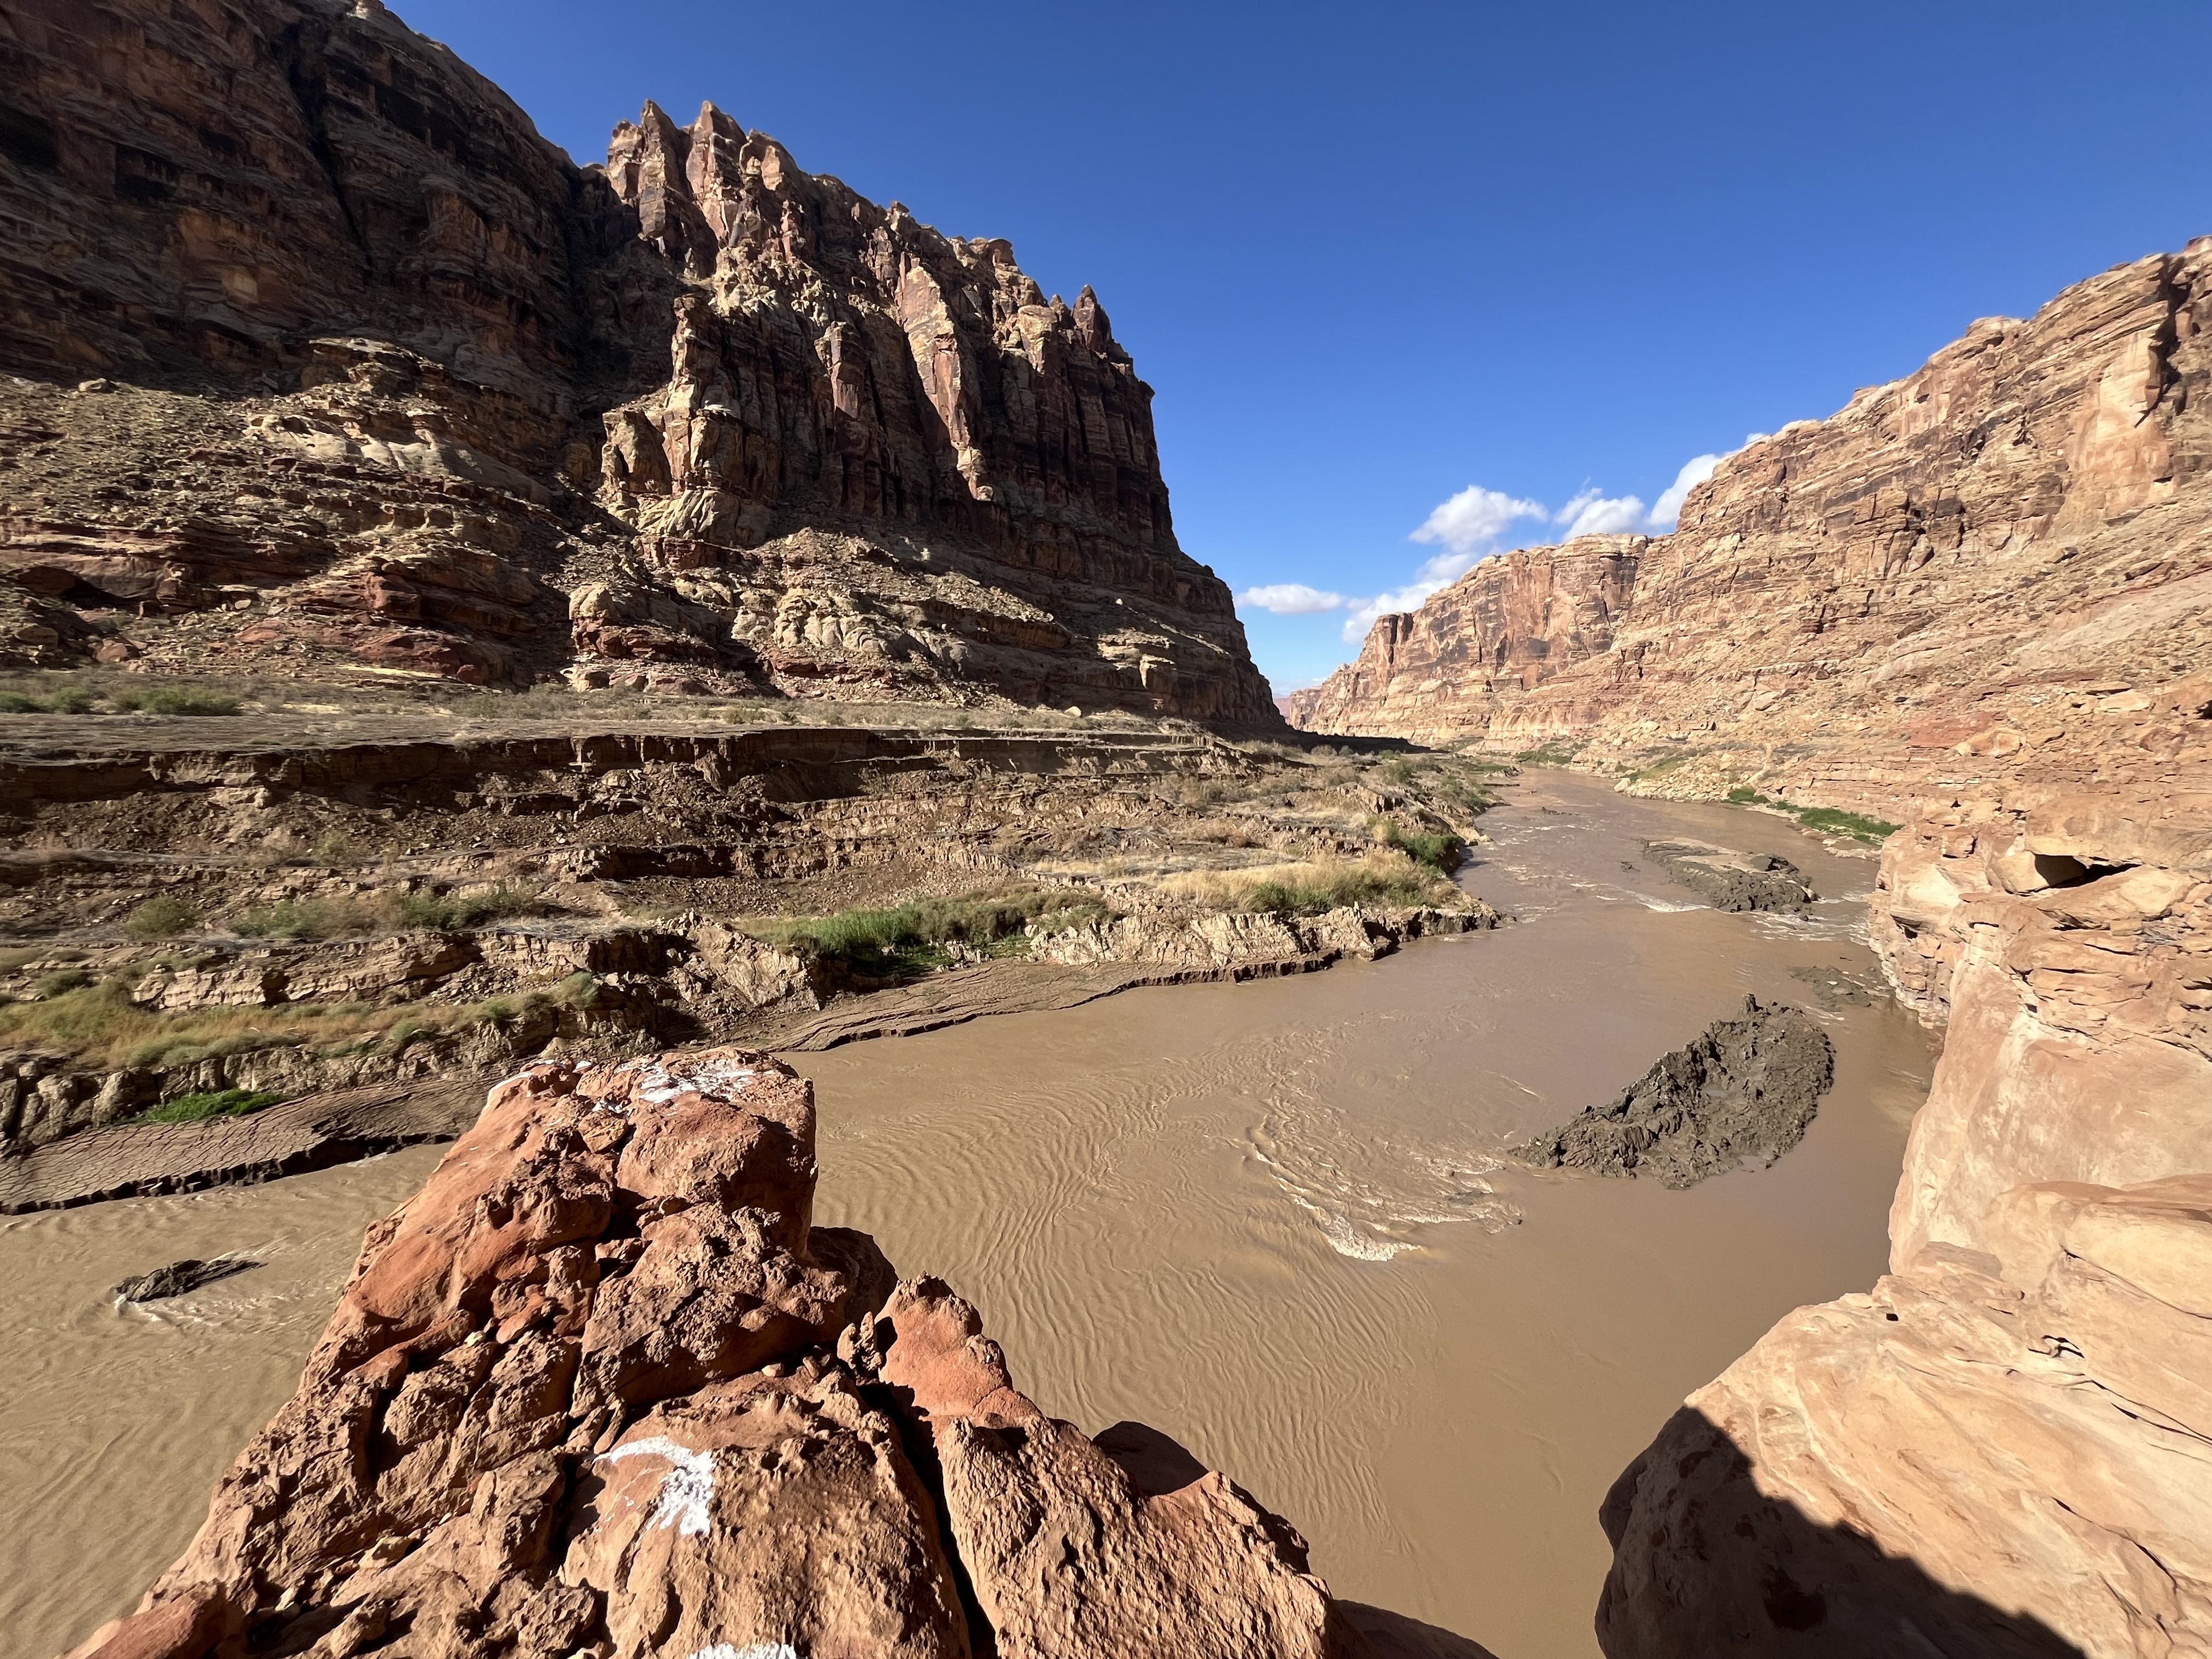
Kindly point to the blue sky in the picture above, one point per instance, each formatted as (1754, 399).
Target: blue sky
(1374, 257)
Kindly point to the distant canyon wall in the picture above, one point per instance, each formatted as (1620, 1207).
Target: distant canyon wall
(376, 376)
(2022, 521)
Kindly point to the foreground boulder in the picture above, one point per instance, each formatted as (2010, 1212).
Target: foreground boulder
(1990, 1453)
(1748, 1088)
(600, 1388)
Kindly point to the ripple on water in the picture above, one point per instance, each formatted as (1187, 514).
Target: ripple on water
(1368, 1195)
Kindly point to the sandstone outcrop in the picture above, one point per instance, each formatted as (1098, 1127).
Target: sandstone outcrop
(1730, 880)
(2002, 1451)
(2063, 934)
(2004, 1448)
(1231, 938)
(321, 359)
(1746, 1090)
(55, 1170)
(353, 904)
(601, 1386)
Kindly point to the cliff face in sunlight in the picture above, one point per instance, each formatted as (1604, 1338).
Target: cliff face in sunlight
(320, 357)
(2022, 524)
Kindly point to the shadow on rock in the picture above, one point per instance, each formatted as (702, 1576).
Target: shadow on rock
(1158, 1464)
(1704, 1563)
(1393, 1636)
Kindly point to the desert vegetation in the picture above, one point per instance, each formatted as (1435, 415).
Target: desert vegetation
(1828, 819)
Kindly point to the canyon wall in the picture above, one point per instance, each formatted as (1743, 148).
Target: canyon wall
(2005, 1447)
(601, 1387)
(1509, 624)
(320, 359)
(2023, 522)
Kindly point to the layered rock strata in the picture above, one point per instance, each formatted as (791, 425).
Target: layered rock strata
(1745, 1090)
(600, 1387)
(2006, 1447)
(1509, 624)
(1977, 553)
(342, 903)
(367, 375)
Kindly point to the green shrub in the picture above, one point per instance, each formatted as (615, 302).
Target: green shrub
(174, 699)
(1836, 822)
(1440, 850)
(61, 984)
(195, 1108)
(1830, 820)
(301, 919)
(1350, 884)
(163, 916)
(447, 912)
(336, 850)
(911, 938)
(367, 912)
(67, 700)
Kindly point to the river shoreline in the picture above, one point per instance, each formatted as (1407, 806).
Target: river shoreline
(1269, 1219)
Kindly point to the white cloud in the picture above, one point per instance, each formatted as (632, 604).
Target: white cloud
(1591, 513)
(1475, 517)
(1469, 526)
(1668, 507)
(1292, 600)
(1433, 577)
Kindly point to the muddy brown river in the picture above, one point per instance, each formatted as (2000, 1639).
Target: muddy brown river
(1270, 1219)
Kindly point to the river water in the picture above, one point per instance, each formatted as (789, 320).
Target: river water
(1270, 1219)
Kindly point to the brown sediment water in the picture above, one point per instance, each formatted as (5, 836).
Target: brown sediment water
(116, 1421)
(1271, 1219)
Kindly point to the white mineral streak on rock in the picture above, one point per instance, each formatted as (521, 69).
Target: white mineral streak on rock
(686, 1490)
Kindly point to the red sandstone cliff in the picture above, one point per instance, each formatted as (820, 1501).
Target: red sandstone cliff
(600, 1388)
(374, 374)
(1509, 624)
(2026, 518)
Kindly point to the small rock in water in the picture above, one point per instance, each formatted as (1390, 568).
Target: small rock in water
(179, 1277)
(1730, 880)
(1748, 1088)
(1834, 988)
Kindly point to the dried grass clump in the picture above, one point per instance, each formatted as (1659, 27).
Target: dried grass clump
(1309, 887)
